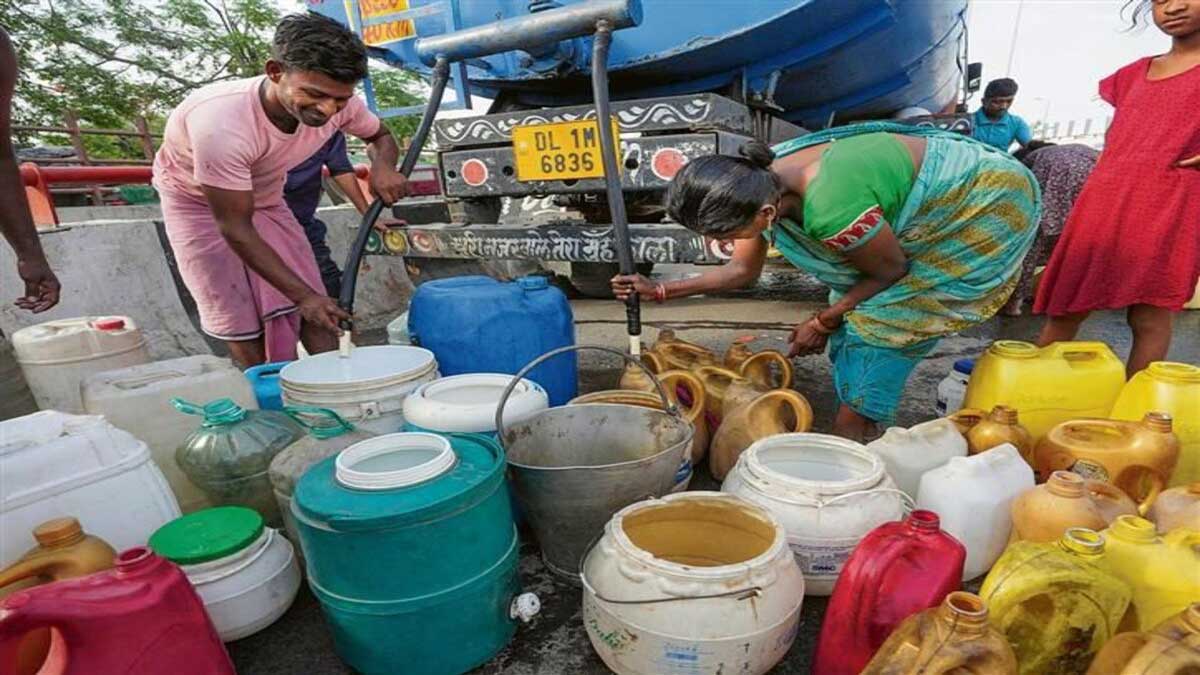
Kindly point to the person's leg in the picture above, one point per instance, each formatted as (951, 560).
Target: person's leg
(850, 424)
(1061, 328)
(247, 353)
(1151, 336)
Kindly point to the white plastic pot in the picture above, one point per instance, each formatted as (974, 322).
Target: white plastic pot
(53, 464)
(827, 492)
(247, 591)
(367, 389)
(467, 403)
(699, 582)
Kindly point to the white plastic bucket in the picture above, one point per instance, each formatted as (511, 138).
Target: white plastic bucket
(53, 464)
(56, 356)
(467, 403)
(367, 389)
(137, 399)
(246, 591)
(828, 493)
(699, 582)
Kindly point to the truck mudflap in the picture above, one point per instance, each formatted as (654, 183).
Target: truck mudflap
(652, 243)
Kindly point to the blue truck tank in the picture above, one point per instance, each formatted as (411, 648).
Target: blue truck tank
(476, 324)
(808, 60)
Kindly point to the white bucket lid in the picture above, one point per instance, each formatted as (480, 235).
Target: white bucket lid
(365, 365)
(812, 463)
(394, 461)
(467, 403)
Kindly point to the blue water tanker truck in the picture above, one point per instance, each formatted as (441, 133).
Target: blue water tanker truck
(523, 183)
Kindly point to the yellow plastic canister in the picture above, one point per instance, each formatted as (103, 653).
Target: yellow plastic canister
(1173, 388)
(1056, 602)
(1163, 571)
(1048, 385)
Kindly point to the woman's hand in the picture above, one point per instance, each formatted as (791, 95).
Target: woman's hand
(806, 339)
(625, 285)
(1189, 163)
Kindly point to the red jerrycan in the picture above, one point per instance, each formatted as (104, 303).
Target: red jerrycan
(897, 570)
(141, 617)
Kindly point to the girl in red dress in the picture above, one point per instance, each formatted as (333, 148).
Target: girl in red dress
(1133, 239)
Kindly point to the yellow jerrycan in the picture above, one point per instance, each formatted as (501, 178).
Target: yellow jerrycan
(953, 638)
(1177, 508)
(1055, 602)
(1163, 571)
(1059, 382)
(1001, 425)
(1173, 388)
(780, 411)
(1172, 648)
(1137, 457)
(674, 353)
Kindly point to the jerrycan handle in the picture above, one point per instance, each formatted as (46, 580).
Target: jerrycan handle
(1183, 538)
(334, 424)
(669, 407)
(1157, 483)
(794, 399)
(672, 379)
(1077, 351)
(757, 369)
(23, 569)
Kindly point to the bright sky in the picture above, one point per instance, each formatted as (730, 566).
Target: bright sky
(1063, 48)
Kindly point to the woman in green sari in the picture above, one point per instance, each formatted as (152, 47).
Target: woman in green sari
(918, 233)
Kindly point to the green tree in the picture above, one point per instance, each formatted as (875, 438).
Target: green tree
(110, 61)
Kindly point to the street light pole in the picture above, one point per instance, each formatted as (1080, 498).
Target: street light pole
(1012, 48)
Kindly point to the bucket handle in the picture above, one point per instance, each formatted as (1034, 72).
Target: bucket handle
(669, 407)
(302, 413)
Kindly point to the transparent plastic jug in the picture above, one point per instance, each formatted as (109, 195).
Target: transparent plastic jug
(229, 455)
(973, 497)
(1163, 571)
(909, 453)
(1173, 388)
(951, 639)
(1048, 385)
(1056, 602)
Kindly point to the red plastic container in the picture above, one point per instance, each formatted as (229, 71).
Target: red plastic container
(897, 570)
(141, 617)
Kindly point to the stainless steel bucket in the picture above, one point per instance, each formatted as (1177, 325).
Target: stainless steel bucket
(572, 467)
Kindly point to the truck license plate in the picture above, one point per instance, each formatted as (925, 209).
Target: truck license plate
(559, 150)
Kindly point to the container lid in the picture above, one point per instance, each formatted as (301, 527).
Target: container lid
(964, 366)
(467, 403)
(207, 535)
(533, 283)
(109, 323)
(477, 470)
(56, 531)
(364, 365)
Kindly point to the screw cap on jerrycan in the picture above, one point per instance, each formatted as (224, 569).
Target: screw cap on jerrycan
(951, 638)
(1047, 385)
(898, 569)
(142, 617)
(1056, 602)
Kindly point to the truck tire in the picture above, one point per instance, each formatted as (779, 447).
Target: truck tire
(592, 279)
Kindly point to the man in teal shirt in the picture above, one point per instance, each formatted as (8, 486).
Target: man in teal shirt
(993, 124)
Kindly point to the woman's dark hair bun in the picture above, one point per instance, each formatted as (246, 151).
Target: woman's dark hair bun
(758, 153)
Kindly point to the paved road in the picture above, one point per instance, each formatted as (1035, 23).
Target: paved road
(556, 644)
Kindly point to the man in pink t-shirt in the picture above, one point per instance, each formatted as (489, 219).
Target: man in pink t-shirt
(220, 172)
